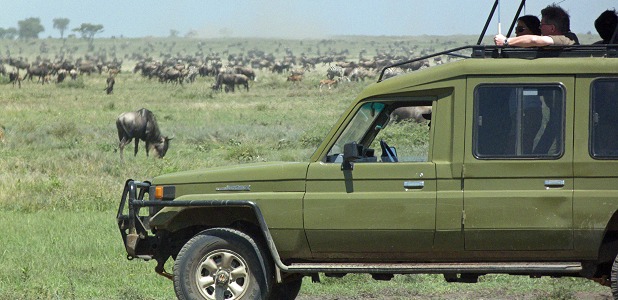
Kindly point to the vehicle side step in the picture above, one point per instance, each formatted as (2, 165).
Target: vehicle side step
(440, 268)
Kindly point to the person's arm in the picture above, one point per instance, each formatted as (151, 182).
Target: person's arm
(523, 41)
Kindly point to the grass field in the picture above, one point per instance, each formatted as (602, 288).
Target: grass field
(61, 175)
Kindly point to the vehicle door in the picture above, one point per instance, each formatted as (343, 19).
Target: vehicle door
(385, 201)
(518, 168)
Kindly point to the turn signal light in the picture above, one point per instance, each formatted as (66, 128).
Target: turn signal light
(162, 192)
(159, 192)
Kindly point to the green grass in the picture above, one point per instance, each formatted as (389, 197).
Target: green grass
(52, 254)
(62, 177)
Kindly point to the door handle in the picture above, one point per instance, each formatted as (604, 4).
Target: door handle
(554, 183)
(414, 184)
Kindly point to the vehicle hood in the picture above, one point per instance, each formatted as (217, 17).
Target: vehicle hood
(257, 177)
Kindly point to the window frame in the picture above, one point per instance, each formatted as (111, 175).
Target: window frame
(475, 122)
(591, 117)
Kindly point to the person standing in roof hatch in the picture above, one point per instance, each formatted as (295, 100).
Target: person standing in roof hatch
(606, 25)
(528, 25)
(555, 31)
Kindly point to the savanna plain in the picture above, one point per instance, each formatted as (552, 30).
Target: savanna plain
(61, 176)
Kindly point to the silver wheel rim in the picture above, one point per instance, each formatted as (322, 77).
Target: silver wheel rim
(222, 271)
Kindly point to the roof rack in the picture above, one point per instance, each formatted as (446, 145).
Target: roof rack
(482, 51)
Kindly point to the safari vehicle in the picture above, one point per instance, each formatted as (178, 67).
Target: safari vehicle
(485, 186)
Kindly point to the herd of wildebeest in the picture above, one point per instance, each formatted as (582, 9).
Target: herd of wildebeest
(229, 71)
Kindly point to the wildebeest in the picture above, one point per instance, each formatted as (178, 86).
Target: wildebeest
(73, 74)
(295, 78)
(14, 78)
(414, 113)
(230, 81)
(141, 125)
(61, 75)
(247, 72)
(110, 85)
(40, 71)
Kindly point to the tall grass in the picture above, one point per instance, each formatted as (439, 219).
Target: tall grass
(62, 177)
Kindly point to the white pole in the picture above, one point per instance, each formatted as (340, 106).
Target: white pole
(499, 23)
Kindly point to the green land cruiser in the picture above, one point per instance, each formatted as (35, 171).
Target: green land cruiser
(516, 173)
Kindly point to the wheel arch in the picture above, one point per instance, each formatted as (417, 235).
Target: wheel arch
(243, 216)
(609, 246)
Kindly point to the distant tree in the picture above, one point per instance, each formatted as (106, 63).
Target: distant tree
(29, 28)
(174, 33)
(10, 33)
(61, 24)
(88, 30)
(191, 34)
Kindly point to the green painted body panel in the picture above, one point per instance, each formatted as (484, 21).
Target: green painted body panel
(354, 211)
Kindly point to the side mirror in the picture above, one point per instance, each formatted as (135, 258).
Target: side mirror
(351, 152)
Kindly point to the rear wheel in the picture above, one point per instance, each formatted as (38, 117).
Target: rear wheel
(219, 264)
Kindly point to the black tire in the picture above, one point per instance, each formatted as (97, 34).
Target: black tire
(286, 290)
(614, 278)
(225, 261)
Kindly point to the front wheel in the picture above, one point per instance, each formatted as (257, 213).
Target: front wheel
(218, 265)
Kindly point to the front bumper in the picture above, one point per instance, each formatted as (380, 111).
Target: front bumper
(133, 226)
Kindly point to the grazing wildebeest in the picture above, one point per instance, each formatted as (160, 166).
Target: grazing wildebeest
(110, 85)
(241, 79)
(141, 125)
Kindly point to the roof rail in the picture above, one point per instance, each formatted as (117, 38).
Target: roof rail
(483, 51)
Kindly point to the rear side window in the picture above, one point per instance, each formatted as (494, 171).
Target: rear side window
(604, 119)
(518, 121)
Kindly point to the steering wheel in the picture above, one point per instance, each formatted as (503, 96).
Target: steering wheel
(388, 155)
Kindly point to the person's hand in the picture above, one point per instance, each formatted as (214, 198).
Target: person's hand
(499, 40)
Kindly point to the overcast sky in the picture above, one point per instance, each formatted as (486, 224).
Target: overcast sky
(287, 18)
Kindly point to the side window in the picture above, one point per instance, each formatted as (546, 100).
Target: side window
(604, 119)
(407, 134)
(518, 121)
(389, 131)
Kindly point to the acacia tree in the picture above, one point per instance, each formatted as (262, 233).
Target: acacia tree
(29, 28)
(61, 24)
(88, 30)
